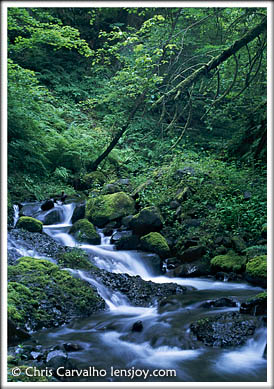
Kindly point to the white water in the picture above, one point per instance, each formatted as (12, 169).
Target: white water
(246, 359)
(16, 214)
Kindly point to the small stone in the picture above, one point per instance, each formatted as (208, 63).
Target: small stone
(137, 326)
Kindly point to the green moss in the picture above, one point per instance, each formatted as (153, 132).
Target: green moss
(30, 224)
(106, 208)
(84, 231)
(261, 296)
(75, 259)
(228, 262)
(257, 267)
(26, 376)
(93, 179)
(42, 295)
(156, 243)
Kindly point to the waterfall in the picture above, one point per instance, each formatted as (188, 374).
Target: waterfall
(16, 214)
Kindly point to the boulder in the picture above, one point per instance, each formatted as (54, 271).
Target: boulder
(105, 208)
(126, 220)
(153, 261)
(16, 334)
(238, 244)
(256, 271)
(120, 234)
(52, 216)
(155, 243)
(230, 262)
(228, 329)
(30, 224)
(84, 231)
(137, 326)
(127, 243)
(192, 253)
(41, 295)
(92, 179)
(221, 302)
(257, 305)
(47, 205)
(147, 220)
(194, 269)
(111, 188)
(78, 212)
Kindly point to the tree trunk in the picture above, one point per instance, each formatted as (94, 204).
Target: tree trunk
(115, 140)
(216, 61)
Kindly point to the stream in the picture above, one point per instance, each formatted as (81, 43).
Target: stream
(107, 341)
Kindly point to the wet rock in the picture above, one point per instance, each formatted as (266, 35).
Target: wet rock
(139, 292)
(36, 355)
(147, 220)
(78, 212)
(126, 220)
(120, 234)
(192, 253)
(194, 269)
(15, 333)
(72, 347)
(137, 326)
(127, 243)
(51, 217)
(257, 305)
(41, 243)
(225, 330)
(221, 302)
(47, 205)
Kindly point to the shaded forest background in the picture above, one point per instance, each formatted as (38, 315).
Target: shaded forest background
(81, 79)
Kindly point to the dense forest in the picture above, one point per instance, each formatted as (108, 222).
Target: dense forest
(163, 108)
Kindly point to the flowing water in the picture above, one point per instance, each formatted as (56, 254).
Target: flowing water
(107, 341)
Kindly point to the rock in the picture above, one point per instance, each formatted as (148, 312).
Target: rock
(50, 217)
(265, 352)
(43, 244)
(139, 292)
(223, 276)
(41, 295)
(30, 224)
(123, 181)
(225, 330)
(247, 195)
(15, 333)
(256, 271)
(221, 302)
(92, 179)
(105, 208)
(72, 347)
(174, 204)
(120, 234)
(111, 188)
(147, 220)
(78, 212)
(192, 253)
(238, 244)
(257, 305)
(127, 243)
(30, 209)
(155, 243)
(137, 326)
(228, 262)
(154, 262)
(126, 220)
(223, 240)
(194, 269)
(36, 355)
(47, 205)
(84, 231)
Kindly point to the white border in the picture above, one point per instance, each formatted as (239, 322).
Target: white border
(113, 4)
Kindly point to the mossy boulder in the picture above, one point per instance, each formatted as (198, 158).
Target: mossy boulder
(105, 208)
(84, 231)
(30, 224)
(155, 243)
(147, 220)
(41, 295)
(256, 305)
(256, 271)
(230, 262)
(93, 179)
(75, 259)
